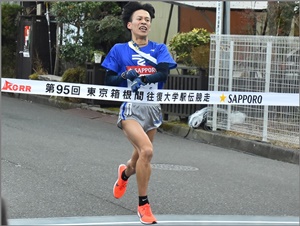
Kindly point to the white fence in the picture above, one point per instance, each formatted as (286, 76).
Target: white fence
(256, 64)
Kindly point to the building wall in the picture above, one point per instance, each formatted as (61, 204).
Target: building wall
(185, 18)
(241, 21)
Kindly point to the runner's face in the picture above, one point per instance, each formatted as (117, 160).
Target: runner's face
(140, 24)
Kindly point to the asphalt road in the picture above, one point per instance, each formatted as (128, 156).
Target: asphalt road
(62, 163)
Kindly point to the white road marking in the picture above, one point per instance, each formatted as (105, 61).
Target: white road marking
(175, 220)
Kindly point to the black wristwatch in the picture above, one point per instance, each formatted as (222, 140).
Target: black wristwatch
(144, 79)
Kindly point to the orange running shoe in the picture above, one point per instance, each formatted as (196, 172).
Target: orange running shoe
(120, 185)
(145, 214)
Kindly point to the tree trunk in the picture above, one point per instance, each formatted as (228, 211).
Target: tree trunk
(272, 18)
(280, 17)
(265, 25)
(58, 44)
(286, 18)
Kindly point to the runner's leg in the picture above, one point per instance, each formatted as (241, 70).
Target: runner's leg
(131, 163)
(142, 143)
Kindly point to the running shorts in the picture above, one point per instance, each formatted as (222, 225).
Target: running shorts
(149, 116)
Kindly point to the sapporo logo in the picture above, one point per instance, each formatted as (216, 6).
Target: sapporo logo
(9, 86)
(249, 99)
(237, 99)
(143, 70)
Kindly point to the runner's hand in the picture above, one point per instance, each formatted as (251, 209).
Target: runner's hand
(131, 74)
(137, 83)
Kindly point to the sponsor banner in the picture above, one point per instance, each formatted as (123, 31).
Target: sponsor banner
(111, 93)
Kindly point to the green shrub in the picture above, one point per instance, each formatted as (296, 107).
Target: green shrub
(8, 71)
(34, 76)
(75, 53)
(184, 43)
(74, 75)
(200, 56)
(38, 67)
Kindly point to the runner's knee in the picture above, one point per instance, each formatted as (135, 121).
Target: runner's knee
(146, 153)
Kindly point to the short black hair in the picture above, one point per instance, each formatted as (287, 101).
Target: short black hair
(131, 7)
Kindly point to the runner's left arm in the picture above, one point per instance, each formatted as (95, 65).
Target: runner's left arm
(161, 74)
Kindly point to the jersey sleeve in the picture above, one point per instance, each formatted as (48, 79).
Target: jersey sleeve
(164, 56)
(111, 61)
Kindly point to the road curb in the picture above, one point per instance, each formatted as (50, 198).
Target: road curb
(235, 143)
(214, 138)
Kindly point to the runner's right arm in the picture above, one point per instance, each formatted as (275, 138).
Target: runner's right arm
(112, 78)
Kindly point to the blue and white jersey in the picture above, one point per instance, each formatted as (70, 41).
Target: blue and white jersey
(122, 58)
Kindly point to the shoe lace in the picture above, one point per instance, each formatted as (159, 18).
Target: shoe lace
(147, 210)
(122, 184)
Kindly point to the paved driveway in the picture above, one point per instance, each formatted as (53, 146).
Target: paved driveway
(60, 165)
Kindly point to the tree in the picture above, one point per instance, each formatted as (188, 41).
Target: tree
(84, 24)
(276, 20)
(280, 16)
(9, 32)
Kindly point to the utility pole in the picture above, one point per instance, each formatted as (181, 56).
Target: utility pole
(222, 27)
(226, 17)
(219, 18)
(223, 17)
